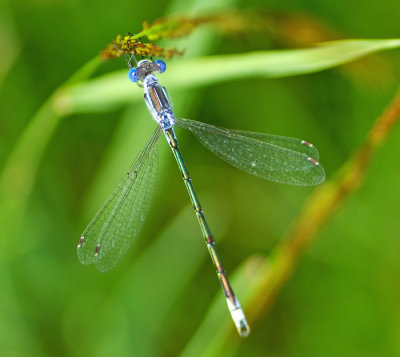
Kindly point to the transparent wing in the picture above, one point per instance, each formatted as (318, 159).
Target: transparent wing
(113, 229)
(293, 144)
(276, 158)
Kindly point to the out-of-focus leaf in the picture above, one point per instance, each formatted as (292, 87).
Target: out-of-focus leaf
(18, 173)
(112, 90)
(9, 45)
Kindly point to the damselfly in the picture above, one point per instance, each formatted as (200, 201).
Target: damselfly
(113, 229)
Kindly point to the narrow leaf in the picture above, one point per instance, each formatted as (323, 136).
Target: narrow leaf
(113, 90)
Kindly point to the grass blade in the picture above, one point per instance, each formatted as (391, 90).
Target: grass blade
(113, 90)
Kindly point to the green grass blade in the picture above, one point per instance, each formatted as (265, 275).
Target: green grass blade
(19, 171)
(112, 90)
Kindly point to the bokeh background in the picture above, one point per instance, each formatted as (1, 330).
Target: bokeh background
(342, 299)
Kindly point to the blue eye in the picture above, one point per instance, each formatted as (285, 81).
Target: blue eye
(132, 74)
(161, 64)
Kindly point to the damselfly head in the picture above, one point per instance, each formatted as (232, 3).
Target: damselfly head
(144, 68)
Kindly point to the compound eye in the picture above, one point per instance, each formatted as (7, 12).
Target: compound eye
(161, 64)
(132, 75)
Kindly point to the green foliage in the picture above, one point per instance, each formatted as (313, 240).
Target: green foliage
(62, 153)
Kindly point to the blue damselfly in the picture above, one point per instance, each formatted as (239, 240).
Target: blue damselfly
(276, 158)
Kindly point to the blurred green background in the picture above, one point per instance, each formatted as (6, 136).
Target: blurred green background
(342, 299)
